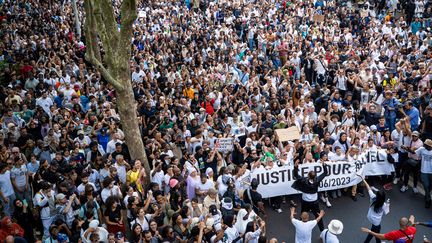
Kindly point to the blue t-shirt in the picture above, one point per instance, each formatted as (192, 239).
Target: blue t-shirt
(414, 115)
(103, 140)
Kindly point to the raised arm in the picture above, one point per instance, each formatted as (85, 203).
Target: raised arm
(293, 212)
(377, 235)
(296, 171)
(324, 174)
(320, 216)
(366, 184)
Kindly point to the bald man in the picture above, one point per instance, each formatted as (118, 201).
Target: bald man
(304, 226)
(405, 233)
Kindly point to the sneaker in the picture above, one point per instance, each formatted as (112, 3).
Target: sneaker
(404, 189)
(415, 190)
(328, 204)
(395, 181)
(374, 189)
(279, 210)
(323, 199)
(339, 193)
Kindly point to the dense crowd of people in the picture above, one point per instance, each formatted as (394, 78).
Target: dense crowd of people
(351, 76)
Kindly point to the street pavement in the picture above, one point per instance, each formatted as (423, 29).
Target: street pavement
(353, 215)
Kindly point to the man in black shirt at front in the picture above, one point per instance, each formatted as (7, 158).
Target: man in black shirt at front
(309, 188)
(256, 202)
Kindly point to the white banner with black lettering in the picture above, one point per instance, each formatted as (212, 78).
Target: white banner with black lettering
(374, 162)
(278, 180)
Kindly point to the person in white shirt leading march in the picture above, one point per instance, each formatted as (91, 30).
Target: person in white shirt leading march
(304, 226)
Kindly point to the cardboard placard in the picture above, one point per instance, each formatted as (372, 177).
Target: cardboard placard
(318, 18)
(288, 134)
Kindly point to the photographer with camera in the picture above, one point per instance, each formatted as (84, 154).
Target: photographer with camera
(390, 105)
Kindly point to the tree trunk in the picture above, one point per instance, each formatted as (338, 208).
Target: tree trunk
(127, 111)
(76, 19)
(114, 65)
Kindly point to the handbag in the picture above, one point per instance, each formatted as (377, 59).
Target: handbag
(413, 162)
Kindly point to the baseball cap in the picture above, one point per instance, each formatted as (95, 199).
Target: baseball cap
(213, 209)
(60, 196)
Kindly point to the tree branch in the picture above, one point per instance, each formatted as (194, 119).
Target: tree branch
(106, 26)
(128, 16)
(92, 42)
(99, 66)
(92, 47)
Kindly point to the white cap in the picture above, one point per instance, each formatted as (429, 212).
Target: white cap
(94, 224)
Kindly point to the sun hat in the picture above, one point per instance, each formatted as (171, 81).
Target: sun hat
(335, 227)
(428, 142)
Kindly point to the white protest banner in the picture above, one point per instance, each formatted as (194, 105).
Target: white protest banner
(225, 144)
(278, 180)
(374, 162)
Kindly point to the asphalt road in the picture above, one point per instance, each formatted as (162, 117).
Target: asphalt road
(353, 215)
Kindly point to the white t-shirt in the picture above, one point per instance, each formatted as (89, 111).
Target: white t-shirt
(231, 234)
(376, 217)
(303, 230)
(6, 184)
(158, 178)
(206, 186)
(328, 237)
(426, 160)
(121, 172)
(106, 192)
(144, 223)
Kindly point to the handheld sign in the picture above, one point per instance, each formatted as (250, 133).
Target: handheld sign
(225, 145)
(288, 134)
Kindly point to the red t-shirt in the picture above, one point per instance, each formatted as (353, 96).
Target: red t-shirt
(208, 106)
(398, 236)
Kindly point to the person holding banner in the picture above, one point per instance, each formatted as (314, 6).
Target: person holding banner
(325, 194)
(254, 198)
(309, 188)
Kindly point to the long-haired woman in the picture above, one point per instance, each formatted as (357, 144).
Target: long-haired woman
(378, 207)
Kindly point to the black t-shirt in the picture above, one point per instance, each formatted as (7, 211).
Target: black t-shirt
(428, 124)
(256, 198)
(113, 215)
